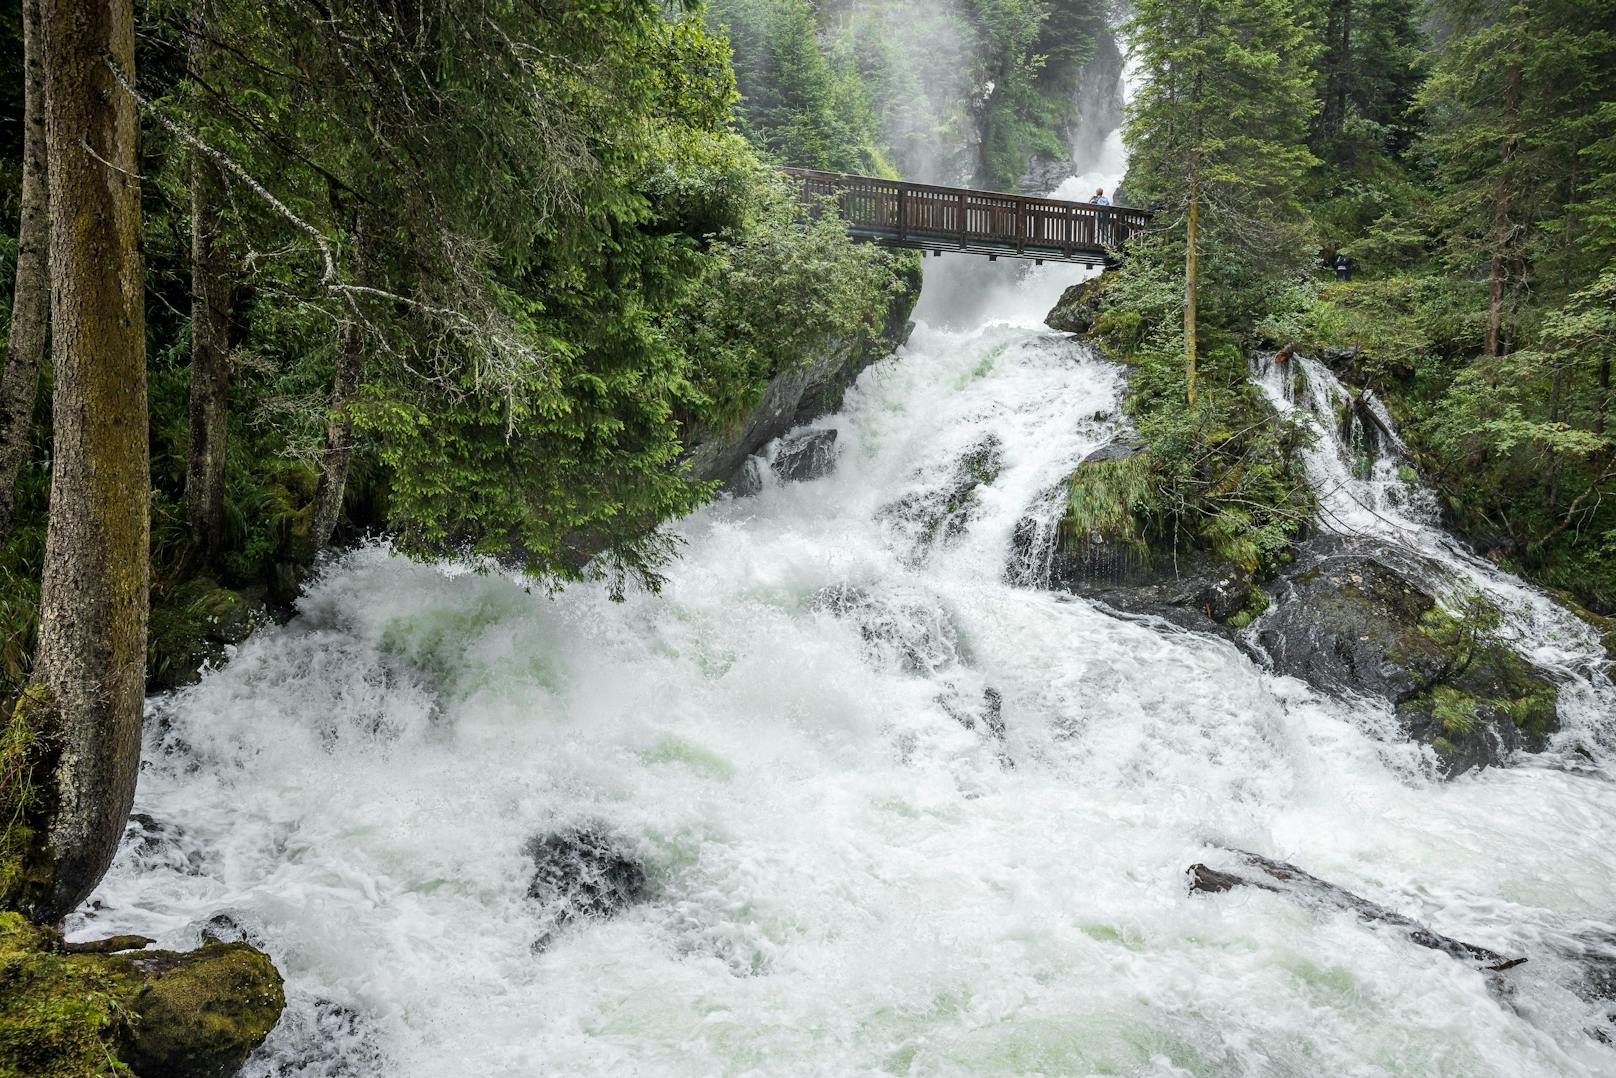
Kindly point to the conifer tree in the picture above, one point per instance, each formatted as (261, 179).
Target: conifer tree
(1217, 133)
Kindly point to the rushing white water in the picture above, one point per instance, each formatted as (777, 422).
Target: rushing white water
(1366, 489)
(844, 878)
(849, 872)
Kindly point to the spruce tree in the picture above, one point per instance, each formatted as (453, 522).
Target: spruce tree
(1217, 132)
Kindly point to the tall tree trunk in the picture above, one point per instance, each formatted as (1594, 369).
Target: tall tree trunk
(1338, 30)
(91, 662)
(30, 303)
(209, 411)
(1502, 229)
(1192, 281)
(339, 443)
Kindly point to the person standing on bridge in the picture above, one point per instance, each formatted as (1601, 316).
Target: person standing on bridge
(1099, 198)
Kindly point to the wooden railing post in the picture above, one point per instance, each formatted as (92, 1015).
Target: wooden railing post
(903, 214)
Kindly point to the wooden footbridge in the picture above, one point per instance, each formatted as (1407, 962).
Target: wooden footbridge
(896, 213)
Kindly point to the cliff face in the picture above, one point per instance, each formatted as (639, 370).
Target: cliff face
(1099, 112)
(801, 395)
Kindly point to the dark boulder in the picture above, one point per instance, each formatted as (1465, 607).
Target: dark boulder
(805, 455)
(1266, 874)
(943, 510)
(1357, 618)
(1086, 537)
(585, 872)
(1194, 589)
(1079, 307)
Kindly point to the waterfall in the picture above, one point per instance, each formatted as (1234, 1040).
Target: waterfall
(880, 809)
(1368, 490)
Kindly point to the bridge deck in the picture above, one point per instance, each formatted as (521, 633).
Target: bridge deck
(897, 213)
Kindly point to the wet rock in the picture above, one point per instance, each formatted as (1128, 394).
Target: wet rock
(1193, 589)
(196, 1014)
(945, 509)
(748, 480)
(908, 631)
(1254, 870)
(805, 390)
(1086, 536)
(229, 928)
(1079, 307)
(585, 872)
(203, 1012)
(804, 456)
(1356, 618)
(1121, 449)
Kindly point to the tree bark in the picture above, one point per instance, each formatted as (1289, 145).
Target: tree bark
(91, 661)
(209, 405)
(1502, 230)
(30, 304)
(1339, 31)
(1192, 281)
(339, 440)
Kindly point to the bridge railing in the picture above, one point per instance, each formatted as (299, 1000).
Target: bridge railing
(923, 215)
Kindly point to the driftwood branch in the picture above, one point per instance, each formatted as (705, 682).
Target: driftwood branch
(110, 945)
(1286, 879)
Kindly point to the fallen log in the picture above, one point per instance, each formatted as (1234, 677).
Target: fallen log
(110, 945)
(1286, 879)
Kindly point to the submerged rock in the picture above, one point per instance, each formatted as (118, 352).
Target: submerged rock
(805, 455)
(909, 631)
(193, 1014)
(945, 509)
(1263, 873)
(585, 872)
(1356, 618)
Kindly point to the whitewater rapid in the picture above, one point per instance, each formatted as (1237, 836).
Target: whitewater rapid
(843, 878)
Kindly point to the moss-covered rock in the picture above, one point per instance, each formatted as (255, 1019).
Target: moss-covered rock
(58, 1013)
(192, 624)
(28, 753)
(201, 1013)
(1080, 306)
(1357, 619)
(151, 1014)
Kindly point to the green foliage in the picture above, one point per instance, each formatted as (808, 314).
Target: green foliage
(1223, 475)
(798, 104)
(1111, 499)
(1455, 710)
(1220, 121)
(790, 290)
(27, 756)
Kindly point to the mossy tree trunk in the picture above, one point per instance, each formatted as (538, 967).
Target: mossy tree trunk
(209, 405)
(30, 304)
(92, 633)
